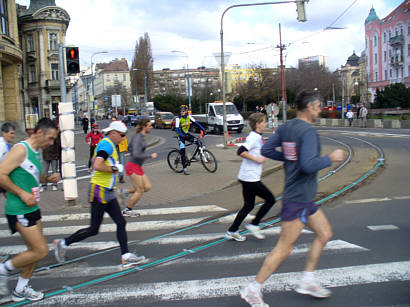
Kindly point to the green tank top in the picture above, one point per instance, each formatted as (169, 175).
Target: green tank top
(185, 123)
(27, 177)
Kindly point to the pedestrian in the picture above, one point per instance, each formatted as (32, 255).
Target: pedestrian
(140, 181)
(102, 197)
(50, 158)
(300, 151)
(250, 178)
(92, 139)
(358, 112)
(8, 132)
(363, 116)
(349, 116)
(85, 123)
(20, 175)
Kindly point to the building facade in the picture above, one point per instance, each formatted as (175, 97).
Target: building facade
(11, 57)
(318, 60)
(388, 48)
(350, 75)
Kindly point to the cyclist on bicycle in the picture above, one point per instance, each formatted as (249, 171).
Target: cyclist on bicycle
(182, 124)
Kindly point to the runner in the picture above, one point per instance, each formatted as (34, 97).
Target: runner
(92, 139)
(301, 155)
(8, 132)
(182, 124)
(139, 179)
(102, 197)
(20, 176)
(250, 178)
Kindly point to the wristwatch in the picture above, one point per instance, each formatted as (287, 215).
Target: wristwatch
(114, 169)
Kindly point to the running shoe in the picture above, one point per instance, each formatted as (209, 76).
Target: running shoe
(130, 213)
(54, 188)
(59, 250)
(186, 172)
(256, 231)
(253, 298)
(4, 289)
(132, 259)
(312, 288)
(235, 236)
(27, 294)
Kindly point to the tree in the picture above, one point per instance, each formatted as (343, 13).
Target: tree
(392, 96)
(143, 62)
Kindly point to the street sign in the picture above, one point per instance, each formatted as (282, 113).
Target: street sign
(116, 101)
(105, 98)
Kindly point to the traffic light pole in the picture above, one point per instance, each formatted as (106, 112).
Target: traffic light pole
(63, 91)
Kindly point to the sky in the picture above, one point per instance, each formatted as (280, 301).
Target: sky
(250, 34)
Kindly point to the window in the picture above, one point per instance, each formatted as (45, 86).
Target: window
(401, 30)
(115, 77)
(396, 31)
(54, 71)
(30, 43)
(32, 72)
(408, 49)
(397, 72)
(375, 41)
(391, 73)
(52, 40)
(384, 56)
(108, 78)
(4, 19)
(384, 37)
(408, 71)
(389, 53)
(375, 76)
(401, 72)
(408, 28)
(124, 77)
(385, 74)
(389, 34)
(375, 58)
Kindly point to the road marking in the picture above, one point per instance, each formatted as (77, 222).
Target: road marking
(367, 200)
(143, 212)
(401, 197)
(383, 227)
(133, 226)
(366, 133)
(222, 287)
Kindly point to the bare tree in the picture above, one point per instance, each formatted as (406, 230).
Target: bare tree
(143, 65)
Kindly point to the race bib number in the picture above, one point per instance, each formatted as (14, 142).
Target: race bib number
(289, 150)
(36, 193)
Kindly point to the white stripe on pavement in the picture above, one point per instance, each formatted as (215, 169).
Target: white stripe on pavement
(222, 287)
(367, 200)
(383, 227)
(144, 212)
(82, 269)
(133, 226)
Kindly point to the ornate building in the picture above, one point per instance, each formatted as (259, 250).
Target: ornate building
(350, 77)
(42, 28)
(388, 47)
(11, 57)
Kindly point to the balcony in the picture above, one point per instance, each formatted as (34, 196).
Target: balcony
(396, 60)
(396, 40)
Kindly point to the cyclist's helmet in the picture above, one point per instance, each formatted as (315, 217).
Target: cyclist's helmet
(184, 107)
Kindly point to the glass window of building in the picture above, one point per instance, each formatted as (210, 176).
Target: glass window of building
(385, 74)
(375, 41)
(384, 56)
(401, 30)
(54, 71)
(115, 77)
(389, 34)
(375, 76)
(384, 37)
(124, 77)
(375, 58)
(30, 43)
(32, 73)
(391, 73)
(4, 19)
(408, 28)
(108, 77)
(53, 43)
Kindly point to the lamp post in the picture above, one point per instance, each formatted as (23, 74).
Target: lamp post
(187, 76)
(223, 59)
(92, 82)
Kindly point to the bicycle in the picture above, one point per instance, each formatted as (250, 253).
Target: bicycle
(207, 158)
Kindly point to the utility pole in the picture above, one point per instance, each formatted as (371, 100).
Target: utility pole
(333, 88)
(282, 76)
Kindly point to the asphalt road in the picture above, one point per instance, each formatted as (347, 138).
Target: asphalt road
(366, 263)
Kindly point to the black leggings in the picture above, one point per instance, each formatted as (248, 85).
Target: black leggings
(249, 191)
(97, 215)
(92, 149)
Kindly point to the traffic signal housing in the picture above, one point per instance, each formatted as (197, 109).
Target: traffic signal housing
(300, 9)
(73, 60)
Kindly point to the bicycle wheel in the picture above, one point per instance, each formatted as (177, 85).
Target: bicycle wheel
(208, 160)
(175, 161)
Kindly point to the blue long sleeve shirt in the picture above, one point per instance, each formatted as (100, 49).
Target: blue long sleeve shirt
(301, 154)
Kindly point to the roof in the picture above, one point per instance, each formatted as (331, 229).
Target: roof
(353, 60)
(35, 5)
(405, 6)
(114, 65)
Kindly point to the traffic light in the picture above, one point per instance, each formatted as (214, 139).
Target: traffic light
(73, 60)
(300, 9)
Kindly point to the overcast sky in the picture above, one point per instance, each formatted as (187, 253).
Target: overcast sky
(193, 26)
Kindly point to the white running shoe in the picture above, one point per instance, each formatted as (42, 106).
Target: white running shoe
(256, 231)
(131, 259)
(130, 213)
(235, 236)
(312, 288)
(4, 289)
(252, 298)
(27, 294)
(54, 188)
(59, 250)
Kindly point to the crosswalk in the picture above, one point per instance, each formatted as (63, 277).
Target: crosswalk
(163, 231)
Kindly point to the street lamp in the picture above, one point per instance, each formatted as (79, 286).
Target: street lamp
(92, 83)
(187, 76)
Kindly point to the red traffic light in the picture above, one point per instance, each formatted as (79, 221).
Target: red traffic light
(72, 53)
(73, 60)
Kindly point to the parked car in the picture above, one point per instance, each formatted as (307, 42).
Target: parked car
(137, 119)
(173, 123)
(163, 119)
